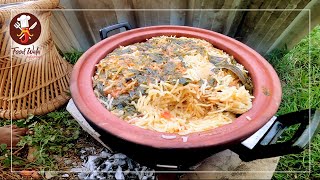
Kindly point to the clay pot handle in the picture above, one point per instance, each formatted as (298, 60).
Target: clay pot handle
(269, 146)
(104, 31)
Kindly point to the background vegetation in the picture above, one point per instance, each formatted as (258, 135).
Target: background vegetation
(299, 72)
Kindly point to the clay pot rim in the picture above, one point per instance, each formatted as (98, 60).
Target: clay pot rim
(267, 91)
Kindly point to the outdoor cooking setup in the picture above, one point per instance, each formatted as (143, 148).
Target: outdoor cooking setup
(253, 135)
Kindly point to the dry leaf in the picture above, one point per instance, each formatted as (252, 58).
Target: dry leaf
(26, 173)
(35, 175)
(48, 175)
(31, 157)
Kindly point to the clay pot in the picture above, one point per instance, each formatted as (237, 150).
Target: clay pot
(267, 92)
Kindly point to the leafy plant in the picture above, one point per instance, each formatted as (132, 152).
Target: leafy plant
(50, 135)
(72, 57)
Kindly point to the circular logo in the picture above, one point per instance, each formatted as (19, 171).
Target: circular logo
(25, 28)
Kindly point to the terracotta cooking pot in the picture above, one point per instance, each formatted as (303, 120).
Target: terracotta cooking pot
(267, 92)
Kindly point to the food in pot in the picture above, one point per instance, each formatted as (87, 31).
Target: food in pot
(173, 84)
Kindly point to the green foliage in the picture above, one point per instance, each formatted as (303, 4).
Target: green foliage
(53, 134)
(72, 57)
(299, 72)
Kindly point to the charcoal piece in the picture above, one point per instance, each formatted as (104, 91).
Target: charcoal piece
(130, 166)
(110, 176)
(111, 158)
(120, 156)
(144, 168)
(82, 175)
(125, 165)
(138, 173)
(119, 175)
(101, 177)
(98, 161)
(105, 154)
(93, 175)
(90, 150)
(119, 162)
(126, 172)
(90, 163)
(102, 167)
(106, 165)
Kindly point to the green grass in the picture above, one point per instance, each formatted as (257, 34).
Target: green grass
(298, 73)
(72, 57)
(51, 135)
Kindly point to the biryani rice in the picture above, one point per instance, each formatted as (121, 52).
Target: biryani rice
(173, 85)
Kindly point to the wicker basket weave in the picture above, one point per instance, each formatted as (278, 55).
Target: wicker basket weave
(31, 85)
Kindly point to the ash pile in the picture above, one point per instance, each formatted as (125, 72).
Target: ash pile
(107, 165)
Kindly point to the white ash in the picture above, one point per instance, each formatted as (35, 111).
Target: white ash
(107, 165)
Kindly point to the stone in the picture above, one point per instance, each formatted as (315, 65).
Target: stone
(228, 165)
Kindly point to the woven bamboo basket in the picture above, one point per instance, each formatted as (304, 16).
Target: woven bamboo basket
(30, 85)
